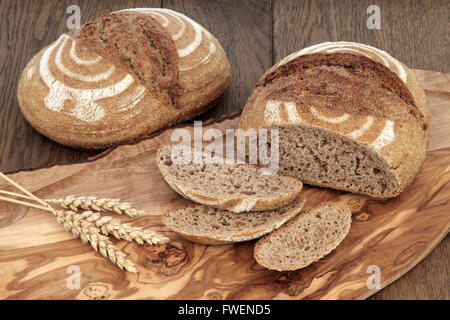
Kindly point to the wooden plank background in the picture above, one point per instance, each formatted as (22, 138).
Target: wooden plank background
(255, 34)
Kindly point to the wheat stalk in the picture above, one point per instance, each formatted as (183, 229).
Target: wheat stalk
(91, 227)
(93, 203)
(86, 230)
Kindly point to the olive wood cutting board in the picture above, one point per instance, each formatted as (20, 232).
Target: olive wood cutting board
(35, 251)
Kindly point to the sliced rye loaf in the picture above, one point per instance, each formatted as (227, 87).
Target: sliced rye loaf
(309, 237)
(350, 117)
(206, 225)
(232, 187)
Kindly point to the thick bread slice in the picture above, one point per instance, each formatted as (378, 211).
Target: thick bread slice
(232, 187)
(304, 240)
(206, 225)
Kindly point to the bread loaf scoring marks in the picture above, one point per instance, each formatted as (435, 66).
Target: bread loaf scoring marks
(86, 108)
(343, 46)
(272, 112)
(166, 17)
(165, 22)
(360, 131)
(272, 115)
(292, 113)
(339, 119)
(74, 57)
(385, 137)
(86, 78)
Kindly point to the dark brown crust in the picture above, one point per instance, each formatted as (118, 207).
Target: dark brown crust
(356, 64)
(332, 88)
(138, 44)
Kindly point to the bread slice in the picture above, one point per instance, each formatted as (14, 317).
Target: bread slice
(310, 236)
(206, 225)
(232, 187)
(350, 117)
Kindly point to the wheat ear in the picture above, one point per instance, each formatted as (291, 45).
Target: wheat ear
(108, 225)
(86, 230)
(92, 203)
(82, 227)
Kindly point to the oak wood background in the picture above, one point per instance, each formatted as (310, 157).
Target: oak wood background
(255, 34)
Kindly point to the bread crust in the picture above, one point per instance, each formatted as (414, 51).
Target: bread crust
(399, 137)
(122, 76)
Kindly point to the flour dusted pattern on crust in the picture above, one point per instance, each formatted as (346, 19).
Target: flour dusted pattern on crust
(351, 117)
(121, 76)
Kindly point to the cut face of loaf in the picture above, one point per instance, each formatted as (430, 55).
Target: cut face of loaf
(121, 76)
(324, 158)
(206, 225)
(307, 238)
(233, 187)
(350, 117)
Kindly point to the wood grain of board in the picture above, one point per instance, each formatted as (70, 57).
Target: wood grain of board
(393, 235)
(254, 34)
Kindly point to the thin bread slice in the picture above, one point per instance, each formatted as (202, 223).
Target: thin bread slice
(206, 225)
(233, 187)
(309, 237)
